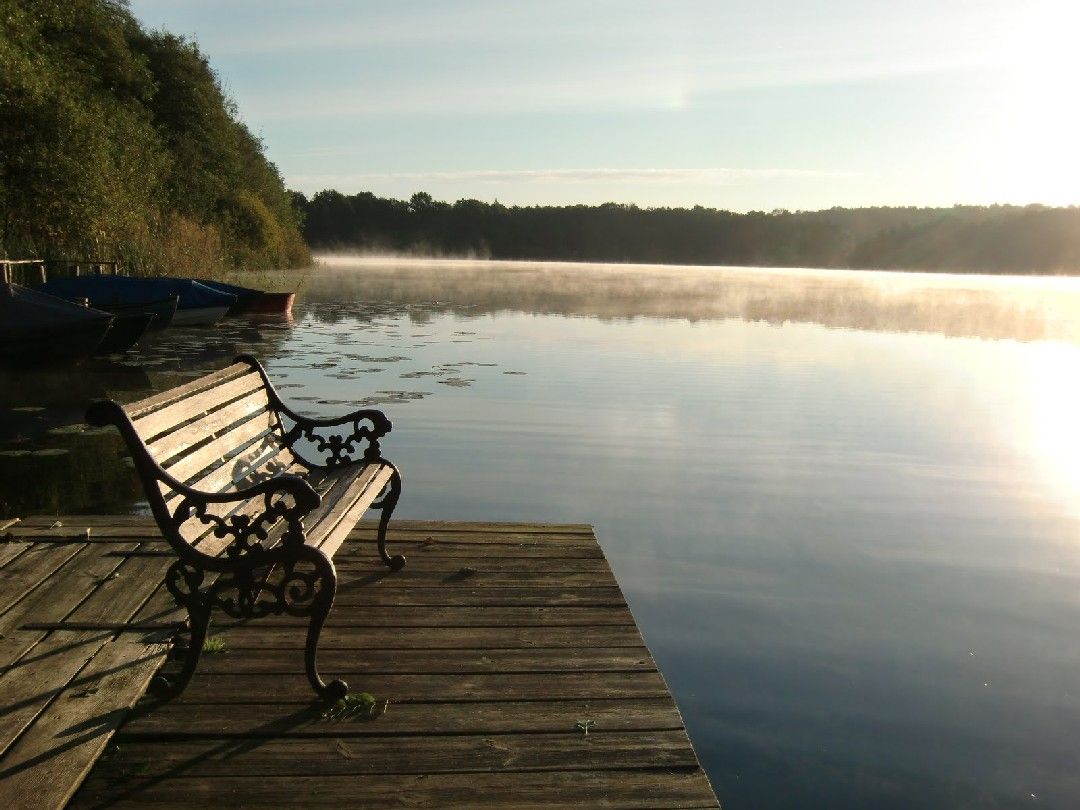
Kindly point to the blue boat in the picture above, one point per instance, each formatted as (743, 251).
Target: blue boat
(196, 303)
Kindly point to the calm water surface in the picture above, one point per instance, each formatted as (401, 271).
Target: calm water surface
(843, 506)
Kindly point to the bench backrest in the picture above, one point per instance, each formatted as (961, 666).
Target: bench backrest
(217, 433)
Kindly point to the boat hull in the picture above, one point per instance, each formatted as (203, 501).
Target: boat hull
(272, 304)
(39, 329)
(162, 310)
(245, 296)
(253, 302)
(199, 316)
(124, 333)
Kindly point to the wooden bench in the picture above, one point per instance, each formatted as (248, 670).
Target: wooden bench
(254, 499)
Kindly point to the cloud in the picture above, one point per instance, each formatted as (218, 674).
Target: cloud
(335, 60)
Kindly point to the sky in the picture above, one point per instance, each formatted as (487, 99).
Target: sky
(797, 104)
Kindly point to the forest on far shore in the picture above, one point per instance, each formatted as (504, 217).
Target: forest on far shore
(963, 238)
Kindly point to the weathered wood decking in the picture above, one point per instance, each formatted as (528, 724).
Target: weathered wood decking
(494, 647)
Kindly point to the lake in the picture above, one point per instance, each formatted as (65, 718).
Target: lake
(844, 506)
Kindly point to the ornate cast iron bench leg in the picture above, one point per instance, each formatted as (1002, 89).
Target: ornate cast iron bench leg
(320, 609)
(386, 505)
(183, 583)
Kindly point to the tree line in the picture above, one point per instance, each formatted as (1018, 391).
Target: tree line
(990, 239)
(119, 143)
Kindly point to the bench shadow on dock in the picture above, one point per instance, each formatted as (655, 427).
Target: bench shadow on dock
(505, 667)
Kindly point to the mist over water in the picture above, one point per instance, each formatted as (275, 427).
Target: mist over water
(958, 305)
(843, 506)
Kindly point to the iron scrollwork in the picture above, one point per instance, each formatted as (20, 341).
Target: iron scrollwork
(248, 530)
(337, 449)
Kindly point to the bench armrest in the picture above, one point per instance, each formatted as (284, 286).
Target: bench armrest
(285, 497)
(357, 442)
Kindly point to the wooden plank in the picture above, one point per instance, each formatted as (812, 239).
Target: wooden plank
(7, 523)
(488, 527)
(480, 578)
(38, 675)
(432, 638)
(349, 596)
(455, 616)
(365, 662)
(195, 405)
(31, 683)
(48, 762)
(357, 554)
(31, 568)
(54, 599)
(540, 791)
(273, 719)
(76, 526)
(569, 751)
(417, 549)
(397, 525)
(357, 566)
(471, 536)
(123, 593)
(88, 534)
(99, 521)
(235, 689)
(165, 398)
(9, 551)
(553, 542)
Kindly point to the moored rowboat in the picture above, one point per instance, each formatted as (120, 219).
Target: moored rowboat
(196, 303)
(36, 328)
(253, 302)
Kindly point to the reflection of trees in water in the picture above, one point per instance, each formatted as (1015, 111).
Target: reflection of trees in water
(953, 306)
(50, 464)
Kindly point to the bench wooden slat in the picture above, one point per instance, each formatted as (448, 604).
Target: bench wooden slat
(257, 462)
(332, 488)
(191, 407)
(228, 444)
(335, 527)
(199, 535)
(173, 447)
(163, 398)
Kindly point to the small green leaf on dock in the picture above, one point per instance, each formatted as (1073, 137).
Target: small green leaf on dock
(363, 706)
(214, 645)
(584, 725)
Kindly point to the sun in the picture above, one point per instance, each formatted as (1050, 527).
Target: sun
(1038, 119)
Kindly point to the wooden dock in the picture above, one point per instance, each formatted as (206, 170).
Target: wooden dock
(513, 671)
